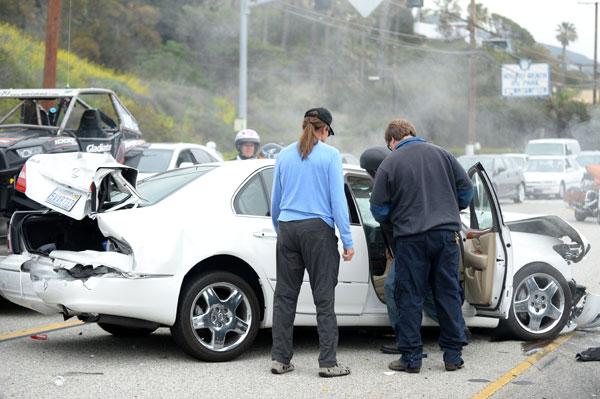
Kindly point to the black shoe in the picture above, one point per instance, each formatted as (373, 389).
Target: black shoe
(389, 349)
(454, 366)
(399, 365)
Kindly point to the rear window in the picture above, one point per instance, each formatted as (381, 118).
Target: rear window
(154, 160)
(158, 187)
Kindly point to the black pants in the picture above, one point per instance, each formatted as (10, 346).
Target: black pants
(428, 260)
(309, 244)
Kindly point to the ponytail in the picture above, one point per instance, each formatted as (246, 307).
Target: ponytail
(309, 138)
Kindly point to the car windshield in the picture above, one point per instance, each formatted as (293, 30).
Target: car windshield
(156, 188)
(585, 160)
(154, 160)
(467, 162)
(545, 149)
(545, 165)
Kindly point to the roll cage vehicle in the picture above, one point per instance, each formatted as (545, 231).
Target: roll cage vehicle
(50, 121)
(193, 249)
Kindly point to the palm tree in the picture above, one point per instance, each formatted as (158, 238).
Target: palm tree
(565, 34)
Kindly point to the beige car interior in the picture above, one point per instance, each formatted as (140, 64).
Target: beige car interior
(479, 266)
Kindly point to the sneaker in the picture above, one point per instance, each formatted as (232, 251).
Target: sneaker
(454, 366)
(334, 371)
(281, 368)
(399, 365)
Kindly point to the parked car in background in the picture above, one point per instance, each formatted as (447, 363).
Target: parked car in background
(520, 160)
(558, 147)
(54, 121)
(552, 176)
(586, 158)
(506, 175)
(210, 274)
(160, 157)
(349, 159)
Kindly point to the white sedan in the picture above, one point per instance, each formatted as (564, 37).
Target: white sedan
(193, 249)
(160, 157)
(552, 175)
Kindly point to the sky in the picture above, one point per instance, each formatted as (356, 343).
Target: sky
(540, 18)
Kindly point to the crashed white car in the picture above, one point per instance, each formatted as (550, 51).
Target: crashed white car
(193, 249)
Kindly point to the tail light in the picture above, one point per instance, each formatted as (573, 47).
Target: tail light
(120, 156)
(22, 180)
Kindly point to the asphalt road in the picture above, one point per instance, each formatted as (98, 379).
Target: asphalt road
(86, 362)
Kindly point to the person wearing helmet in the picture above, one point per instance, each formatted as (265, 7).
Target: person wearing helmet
(247, 142)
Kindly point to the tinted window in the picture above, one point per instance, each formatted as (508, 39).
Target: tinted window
(154, 160)
(161, 186)
(202, 156)
(252, 200)
(184, 156)
(481, 208)
(267, 175)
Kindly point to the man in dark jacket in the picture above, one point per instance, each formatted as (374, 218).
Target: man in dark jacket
(420, 188)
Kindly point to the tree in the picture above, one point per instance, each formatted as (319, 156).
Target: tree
(448, 12)
(565, 34)
(565, 110)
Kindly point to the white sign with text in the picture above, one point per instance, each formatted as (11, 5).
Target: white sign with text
(525, 80)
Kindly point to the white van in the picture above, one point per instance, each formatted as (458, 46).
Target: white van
(564, 147)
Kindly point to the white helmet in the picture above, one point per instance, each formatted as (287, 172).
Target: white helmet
(247, 136)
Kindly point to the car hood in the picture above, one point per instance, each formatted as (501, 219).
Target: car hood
(574, 245)
(74, 183)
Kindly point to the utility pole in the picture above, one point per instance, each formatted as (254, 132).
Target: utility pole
(472, 83)
(52, 36)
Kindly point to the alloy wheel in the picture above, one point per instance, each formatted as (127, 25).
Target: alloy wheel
(221, 316)
(539, 303)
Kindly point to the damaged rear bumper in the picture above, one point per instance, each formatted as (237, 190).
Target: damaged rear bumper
(62, 286)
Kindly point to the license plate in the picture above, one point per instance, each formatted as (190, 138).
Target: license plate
(63, 199)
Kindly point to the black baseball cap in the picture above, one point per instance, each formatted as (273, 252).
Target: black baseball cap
(324, 116)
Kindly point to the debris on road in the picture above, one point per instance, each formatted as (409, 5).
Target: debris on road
(59, 380)
(40, 337)
(589, 355)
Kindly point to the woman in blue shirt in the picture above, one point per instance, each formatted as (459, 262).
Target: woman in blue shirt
(308, 201)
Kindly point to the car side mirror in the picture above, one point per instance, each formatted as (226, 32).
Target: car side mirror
(186, 164)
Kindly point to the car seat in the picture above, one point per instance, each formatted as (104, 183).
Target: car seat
(89, 126)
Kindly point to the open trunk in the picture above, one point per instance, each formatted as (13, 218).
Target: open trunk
(44, 233)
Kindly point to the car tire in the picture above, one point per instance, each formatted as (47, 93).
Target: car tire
(226, 312)
(580, 216)
(126, 332)
(520, 194)
(533, 296)
(561, 191)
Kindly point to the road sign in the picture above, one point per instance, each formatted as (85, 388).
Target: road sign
(525, 79)
(365, 7)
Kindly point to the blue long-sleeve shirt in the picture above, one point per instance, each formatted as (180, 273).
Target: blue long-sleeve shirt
(311, 188)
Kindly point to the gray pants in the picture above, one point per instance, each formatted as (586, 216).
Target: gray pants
(309, 244)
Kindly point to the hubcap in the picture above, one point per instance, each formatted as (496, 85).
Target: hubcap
(221, 317)
(539, 303)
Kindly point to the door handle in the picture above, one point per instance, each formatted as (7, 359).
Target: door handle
(265, 234)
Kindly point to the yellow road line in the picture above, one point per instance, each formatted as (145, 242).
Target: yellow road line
(42, 329)
(495, 386)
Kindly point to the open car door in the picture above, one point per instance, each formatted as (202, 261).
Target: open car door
(487, 258)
